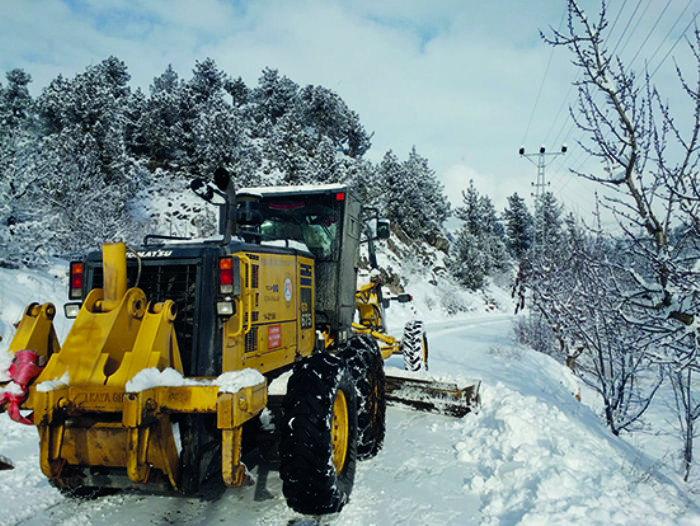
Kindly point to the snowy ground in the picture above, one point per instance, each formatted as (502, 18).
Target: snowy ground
(533, 454)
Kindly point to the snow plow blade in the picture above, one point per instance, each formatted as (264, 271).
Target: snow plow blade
(434, 396)
(6, 463)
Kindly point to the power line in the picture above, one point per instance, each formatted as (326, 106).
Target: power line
(692, 21)
(544, 78)
(658, 48)
(622, 7)
(556, 118)
(629, 21)
(651, 31)
(634, 29)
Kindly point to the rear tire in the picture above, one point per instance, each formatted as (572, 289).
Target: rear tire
(318, 436)
(366, 365)
(415, 347)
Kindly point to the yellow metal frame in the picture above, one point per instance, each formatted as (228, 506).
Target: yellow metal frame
(36, 332)
(116, 334)
(370, 315)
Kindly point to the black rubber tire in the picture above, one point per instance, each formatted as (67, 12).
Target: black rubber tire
(310, 482)
(414, 346)
(364, 359)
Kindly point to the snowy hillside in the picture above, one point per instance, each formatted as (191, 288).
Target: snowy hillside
(533, 454)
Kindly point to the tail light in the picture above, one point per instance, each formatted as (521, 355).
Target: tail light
(75, 290)
(226, 275)
(229, 285)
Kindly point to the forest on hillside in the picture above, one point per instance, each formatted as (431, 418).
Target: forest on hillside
(81, 162)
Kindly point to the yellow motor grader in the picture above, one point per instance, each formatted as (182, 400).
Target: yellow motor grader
(189, 362)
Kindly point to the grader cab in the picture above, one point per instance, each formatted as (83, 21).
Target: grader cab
(190, 362)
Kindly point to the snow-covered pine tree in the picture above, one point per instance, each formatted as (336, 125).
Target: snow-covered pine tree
(273, 97)
(479, 250)
(391, 180)
(467, 261)
(548, 222)
(17, 145)
(218, 137)
(82, 161)
(161, 122)
(15, 101)
(518, 226)
(240, 93)
(415, 199)
(429, 199)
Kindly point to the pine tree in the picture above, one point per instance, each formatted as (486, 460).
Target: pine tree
(430, 196)
(207, 82)
(470, 211)
(467, 260)
(479, 250)
(240, 93)
(518, 228)
(17, 140)
(548, 223)
(95, 102)
(161, 124)
(15, 101)
(391, 180)
(273, 97)
(414, 199)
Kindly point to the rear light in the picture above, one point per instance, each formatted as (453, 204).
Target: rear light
(225, 308)
(226, 275)
(71, 310)
(75, 291)
(340, 196)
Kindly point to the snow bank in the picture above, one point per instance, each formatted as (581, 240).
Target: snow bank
(536, 463)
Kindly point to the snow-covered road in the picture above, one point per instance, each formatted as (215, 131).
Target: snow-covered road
(533, 455)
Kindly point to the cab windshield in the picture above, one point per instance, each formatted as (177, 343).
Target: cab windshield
(312, 220)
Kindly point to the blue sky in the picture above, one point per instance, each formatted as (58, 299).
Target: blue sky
(466, 82)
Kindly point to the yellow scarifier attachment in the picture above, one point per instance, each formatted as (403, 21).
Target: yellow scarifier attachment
(83, 413)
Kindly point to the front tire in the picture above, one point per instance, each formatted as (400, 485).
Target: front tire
(415, 347)
(318, 436)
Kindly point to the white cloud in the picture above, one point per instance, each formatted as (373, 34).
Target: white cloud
(457, 79)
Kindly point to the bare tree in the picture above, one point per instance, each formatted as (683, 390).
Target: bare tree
(573, 287)
(650, 168)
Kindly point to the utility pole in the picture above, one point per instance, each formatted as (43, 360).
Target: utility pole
(540, 160)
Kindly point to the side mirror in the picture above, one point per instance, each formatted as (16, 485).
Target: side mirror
(404, 298)
(207, 191)
(383, 228)
(222, 179)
